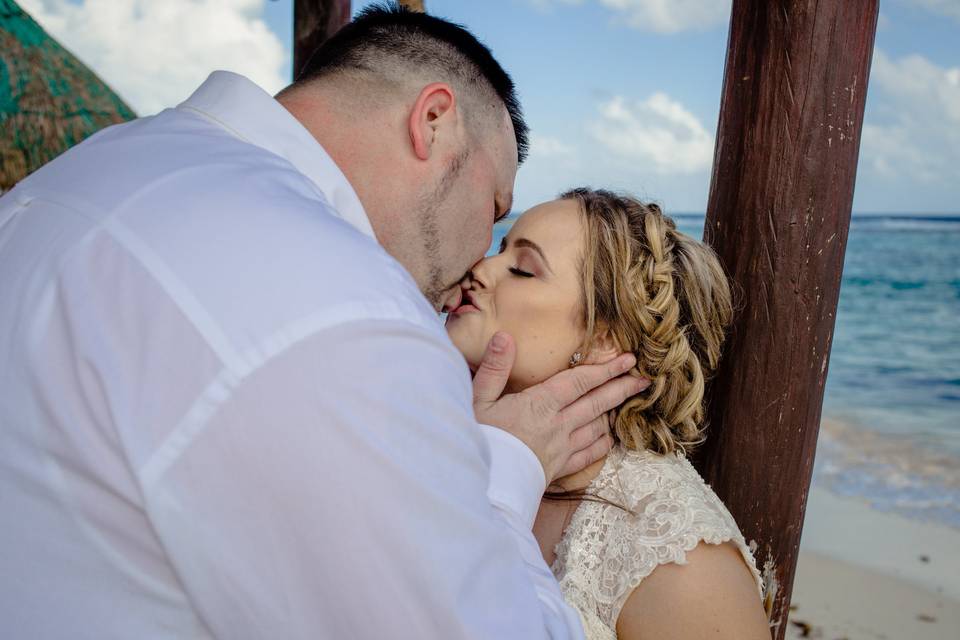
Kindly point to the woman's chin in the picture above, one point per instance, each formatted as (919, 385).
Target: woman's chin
(472, 360)
(468, 346)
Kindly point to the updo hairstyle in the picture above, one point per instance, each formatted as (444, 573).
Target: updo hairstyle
(663, 296)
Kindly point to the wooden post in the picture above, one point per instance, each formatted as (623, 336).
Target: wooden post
(778, 214)
(313, 22)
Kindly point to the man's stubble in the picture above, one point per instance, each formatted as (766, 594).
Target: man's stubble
(431, 209)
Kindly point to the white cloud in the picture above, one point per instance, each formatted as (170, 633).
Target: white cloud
(548, 4)
(154, 53)
(657, 131)
(661, 16)
(931, 90)
(892, 152)
(549, 147)
(671, 16)
(950, 8)
(917, 131)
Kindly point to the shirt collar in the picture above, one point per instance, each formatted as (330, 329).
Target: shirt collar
(250, 113)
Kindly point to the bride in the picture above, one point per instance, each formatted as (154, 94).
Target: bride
(641, 546)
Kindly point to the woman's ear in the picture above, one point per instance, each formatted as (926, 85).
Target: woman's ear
(604, 349)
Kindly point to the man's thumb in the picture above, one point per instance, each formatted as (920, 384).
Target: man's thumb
(494, 370)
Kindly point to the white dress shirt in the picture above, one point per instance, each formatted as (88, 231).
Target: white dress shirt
(226, 411)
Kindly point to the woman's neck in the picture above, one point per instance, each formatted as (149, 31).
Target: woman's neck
(554, 515)
(579, 480)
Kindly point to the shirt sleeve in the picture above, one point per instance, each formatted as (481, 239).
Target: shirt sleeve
(343, 489)
(516, 477)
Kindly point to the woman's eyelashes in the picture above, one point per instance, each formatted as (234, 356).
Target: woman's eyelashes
(517, 271)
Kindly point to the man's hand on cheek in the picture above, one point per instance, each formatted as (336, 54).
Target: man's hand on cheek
(564, 419)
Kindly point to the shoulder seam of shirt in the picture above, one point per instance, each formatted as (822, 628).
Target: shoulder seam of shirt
(45, 195)
(209, 328)
(220, 123)
(190, 110)
(221, 388)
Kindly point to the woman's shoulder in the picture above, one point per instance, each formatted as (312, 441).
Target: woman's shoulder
(664, 491)
(682, 601)
(655, 510)
(668, 505)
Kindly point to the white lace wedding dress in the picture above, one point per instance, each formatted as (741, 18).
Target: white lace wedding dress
(605, 552)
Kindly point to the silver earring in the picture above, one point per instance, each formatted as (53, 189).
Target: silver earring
(575, 359)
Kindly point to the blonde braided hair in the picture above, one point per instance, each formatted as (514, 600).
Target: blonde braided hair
(662, 295)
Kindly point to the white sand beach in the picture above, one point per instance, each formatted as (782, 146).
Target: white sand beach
(865, 574)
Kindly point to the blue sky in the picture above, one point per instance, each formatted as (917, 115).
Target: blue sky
(618, 93)
(569, 59)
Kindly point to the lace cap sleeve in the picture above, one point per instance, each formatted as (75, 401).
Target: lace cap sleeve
(664, 510)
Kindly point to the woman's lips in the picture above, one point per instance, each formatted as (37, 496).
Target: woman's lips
(467, 305)
(464, 308)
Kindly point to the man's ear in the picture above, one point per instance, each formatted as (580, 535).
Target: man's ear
(435, 108)
(604, 349)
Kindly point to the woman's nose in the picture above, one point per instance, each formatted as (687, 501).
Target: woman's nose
(480, 275)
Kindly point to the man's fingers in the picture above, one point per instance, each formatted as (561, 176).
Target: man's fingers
(596, 403)
(494, 371)
(565, 387)
(585, 457)
(583, 437)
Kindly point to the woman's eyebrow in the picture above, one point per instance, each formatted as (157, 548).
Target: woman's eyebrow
(530, 244)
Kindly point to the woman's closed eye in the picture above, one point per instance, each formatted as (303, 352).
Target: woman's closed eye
(520, 272)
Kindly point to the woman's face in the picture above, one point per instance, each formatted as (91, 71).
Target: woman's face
(530, 290)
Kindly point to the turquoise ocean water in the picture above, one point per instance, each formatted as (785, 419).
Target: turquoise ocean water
(891, 429)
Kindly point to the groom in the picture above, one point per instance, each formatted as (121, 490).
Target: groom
(227, 407)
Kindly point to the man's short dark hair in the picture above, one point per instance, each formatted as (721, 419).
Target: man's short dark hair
(418, 40)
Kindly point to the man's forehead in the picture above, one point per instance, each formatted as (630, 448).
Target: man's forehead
(506, 176)
(504, 202)
(509, 135)
(505, 163)
(507, 156)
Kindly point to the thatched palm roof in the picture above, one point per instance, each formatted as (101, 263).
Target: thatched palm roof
(49, 101)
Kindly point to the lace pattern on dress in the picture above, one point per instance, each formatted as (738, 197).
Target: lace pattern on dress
(606, 551)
